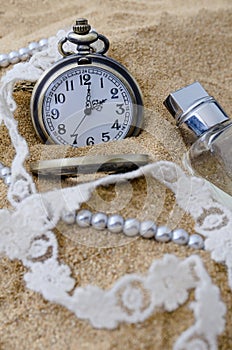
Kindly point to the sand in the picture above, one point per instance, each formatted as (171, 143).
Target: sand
(165, 45)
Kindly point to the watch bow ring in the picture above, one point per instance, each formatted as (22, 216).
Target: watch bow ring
(86, 98)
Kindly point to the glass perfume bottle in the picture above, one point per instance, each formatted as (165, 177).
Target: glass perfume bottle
(210, 156)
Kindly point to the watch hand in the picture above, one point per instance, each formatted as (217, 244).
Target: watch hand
(98, 104)
(88, 104)
(74, 133)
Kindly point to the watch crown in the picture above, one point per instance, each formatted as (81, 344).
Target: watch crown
(82, 26)
(83, 37)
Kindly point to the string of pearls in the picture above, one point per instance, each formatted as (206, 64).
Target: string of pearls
(131, 227)
(22, 54)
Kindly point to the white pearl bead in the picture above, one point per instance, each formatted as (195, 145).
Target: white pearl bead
(4, 60)
(43, 44)
(131, 227)
(5, 171)
(180, 236)
(147, 229)
(163, 234)
(1, 165)
(7, 180)
(115, 223)
(99, 221)
(196, 242)
(33, 47)
(83, 218)
(69, 217)
(24, 53)
(13, 57)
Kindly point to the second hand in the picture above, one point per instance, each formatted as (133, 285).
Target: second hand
(87, 111)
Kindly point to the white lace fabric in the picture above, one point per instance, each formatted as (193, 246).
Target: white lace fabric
(133, 298)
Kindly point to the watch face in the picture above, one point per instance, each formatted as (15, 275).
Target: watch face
(86, 105)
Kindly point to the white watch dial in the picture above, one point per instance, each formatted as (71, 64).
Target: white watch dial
(85, 106)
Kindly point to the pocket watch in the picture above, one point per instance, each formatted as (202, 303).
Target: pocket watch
(86, 97)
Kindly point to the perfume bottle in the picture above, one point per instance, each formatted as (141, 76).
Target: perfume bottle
(210, 156)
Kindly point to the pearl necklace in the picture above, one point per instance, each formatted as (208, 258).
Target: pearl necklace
(22, 54)
(131, 227)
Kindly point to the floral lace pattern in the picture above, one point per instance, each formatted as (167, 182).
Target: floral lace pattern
(133, 298)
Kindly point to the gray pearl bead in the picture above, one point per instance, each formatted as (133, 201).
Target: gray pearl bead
(180, 236)
(99, 221)
(163, 234)
(131, 227)
(7, 180)
(115, 223)
(24, 53)
(33, 47)
(43, 43)
(196, 242)
(69, 217)
(13, 57)
(147, 229)
(5, 171)
(83, 218)
(4, 60)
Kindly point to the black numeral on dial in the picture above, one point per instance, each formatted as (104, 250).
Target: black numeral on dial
(61, 129)
(69, 85)
(120, 110)
(85, 79)
(90, 141)
(114, 93)
(101, 82)
(116, 125)
(59, 98)
(105, 137)
(55, 113)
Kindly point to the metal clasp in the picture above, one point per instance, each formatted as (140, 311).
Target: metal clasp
(83, 37)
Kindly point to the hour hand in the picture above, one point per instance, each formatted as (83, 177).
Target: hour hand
(88, 104)
(98, 104)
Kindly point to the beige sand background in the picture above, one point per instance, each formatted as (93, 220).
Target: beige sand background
(165, 45)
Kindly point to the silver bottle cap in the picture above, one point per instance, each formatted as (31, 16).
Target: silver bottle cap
(193, 106)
